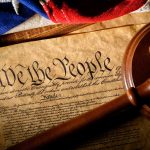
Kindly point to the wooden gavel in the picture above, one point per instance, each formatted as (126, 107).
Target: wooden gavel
(135, 97)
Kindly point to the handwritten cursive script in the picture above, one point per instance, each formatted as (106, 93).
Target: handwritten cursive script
(37, 74)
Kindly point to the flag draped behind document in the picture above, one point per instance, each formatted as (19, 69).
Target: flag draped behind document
(9, 18)
(88, 11)
(64, 11)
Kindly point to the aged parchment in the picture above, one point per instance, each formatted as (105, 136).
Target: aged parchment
(47, 82)
(126, 20)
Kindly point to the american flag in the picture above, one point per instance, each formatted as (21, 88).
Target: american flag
(15, 4)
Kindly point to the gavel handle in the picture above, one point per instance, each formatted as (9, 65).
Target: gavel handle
(131, 98)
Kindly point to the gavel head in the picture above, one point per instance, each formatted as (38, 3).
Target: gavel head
(136, 64)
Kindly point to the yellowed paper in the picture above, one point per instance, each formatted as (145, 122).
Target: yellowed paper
(126, 20)
(45, 83)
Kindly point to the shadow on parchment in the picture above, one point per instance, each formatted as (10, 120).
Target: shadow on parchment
(93, 131)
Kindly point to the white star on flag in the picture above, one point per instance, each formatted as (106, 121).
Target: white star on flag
(15, 4)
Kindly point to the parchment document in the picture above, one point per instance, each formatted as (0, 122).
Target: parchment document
(45, 83)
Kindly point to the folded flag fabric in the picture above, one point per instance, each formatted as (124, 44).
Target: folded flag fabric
(88, 11)
(26, 9)
(14, 12)
(15, 4)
